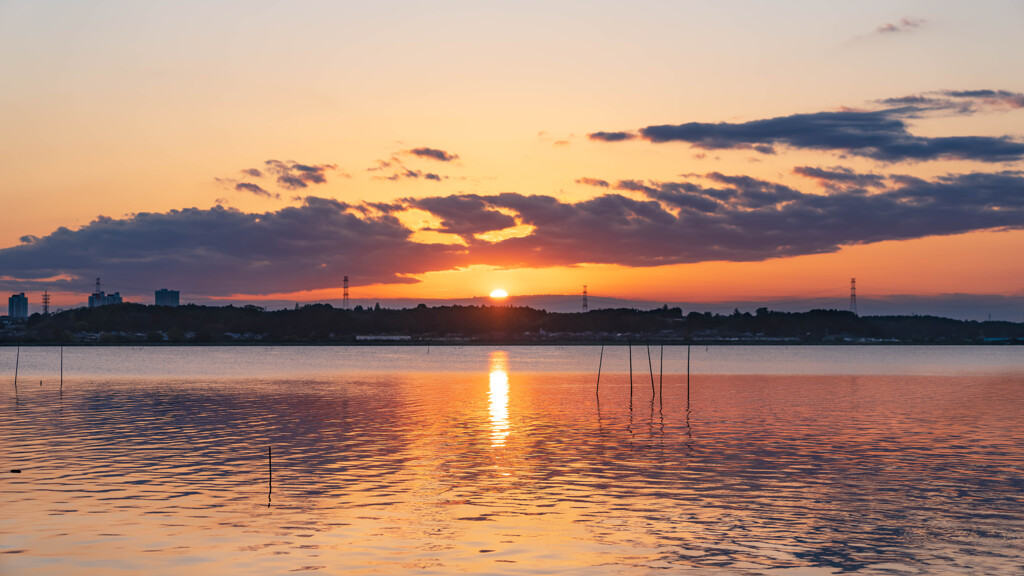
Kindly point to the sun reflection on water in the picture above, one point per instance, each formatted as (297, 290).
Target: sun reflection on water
(498, 395)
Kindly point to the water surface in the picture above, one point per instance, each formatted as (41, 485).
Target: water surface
(785, 460)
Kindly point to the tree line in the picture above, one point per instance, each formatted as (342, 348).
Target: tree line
(324, 323)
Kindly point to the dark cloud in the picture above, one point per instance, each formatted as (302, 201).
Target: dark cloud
(409, 174)
(878, 134)
(218, 252)
(294, 176)
(399, 171)
(739, 218)
(252, 172)
(254, 189)
(904, 25)
(961, 102)
(611, 136)
(465, 215)
(838, 176)
(716, 216)
(593, 182)
(882, 134)
(433, 153)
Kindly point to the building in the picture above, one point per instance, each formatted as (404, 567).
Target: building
(165, 297)
(101, 298)
(17, 306)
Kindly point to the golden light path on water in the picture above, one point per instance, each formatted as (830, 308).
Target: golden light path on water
(498, 395)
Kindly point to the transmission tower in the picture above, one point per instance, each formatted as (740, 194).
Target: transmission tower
(584, 297)
(46, 303)
(344, 297)
(853, 295)
(97, 285)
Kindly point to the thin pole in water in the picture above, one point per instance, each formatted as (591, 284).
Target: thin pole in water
(661, 370)
(62, 368)
(687, 373)
(270, 474)
(650, 367)
(17, 361)
(600, 361)
(630, 349)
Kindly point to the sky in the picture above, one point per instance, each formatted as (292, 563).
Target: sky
(653, 151)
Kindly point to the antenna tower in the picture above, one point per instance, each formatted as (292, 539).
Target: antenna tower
(853, 295)
(97, 286)
(344, 297)
(584, 297)
(46, 303)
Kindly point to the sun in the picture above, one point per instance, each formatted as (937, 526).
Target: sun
(499, 293)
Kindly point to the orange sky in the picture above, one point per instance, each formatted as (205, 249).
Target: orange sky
(119, 108)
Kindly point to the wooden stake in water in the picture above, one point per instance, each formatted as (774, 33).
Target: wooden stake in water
(687, 373)
(630, 344)
(600, 361)
(661, 370)
(270, 474)
(17, 361)
(62, 369)
(650, 367)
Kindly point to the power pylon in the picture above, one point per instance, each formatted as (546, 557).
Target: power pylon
(46, 303)
(584, 297)
(344, 297)
(853, 295)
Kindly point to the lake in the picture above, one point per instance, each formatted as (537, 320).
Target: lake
(806, 460)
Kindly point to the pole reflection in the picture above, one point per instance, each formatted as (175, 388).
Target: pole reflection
(498, 396)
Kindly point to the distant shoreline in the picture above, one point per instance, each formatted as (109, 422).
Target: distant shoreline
(324, 325)
(477, 343)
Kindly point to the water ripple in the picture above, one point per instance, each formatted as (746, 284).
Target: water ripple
(524, 472)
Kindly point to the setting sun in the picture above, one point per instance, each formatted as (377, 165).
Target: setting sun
(499, 293)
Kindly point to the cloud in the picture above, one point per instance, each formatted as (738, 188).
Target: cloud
(433, 153)
(881, 134)
(710, 217)
(252, 172)
(738, 218)
(254, 189)
(399, 171)
(410, 174)
(465, 215)
(593, 182)
(904, 25)
(294, 176)
(219, 251)
(961, 102)
(838, 176)
(611, 136)
(380, 165)
(248, 187)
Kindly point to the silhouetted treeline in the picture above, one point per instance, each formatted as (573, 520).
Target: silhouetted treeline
(324, 323)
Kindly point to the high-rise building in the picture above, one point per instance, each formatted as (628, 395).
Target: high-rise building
(101, 298)
(165, 297)
(17, 306)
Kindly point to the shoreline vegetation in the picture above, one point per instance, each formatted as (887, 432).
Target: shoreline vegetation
(322, 324)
